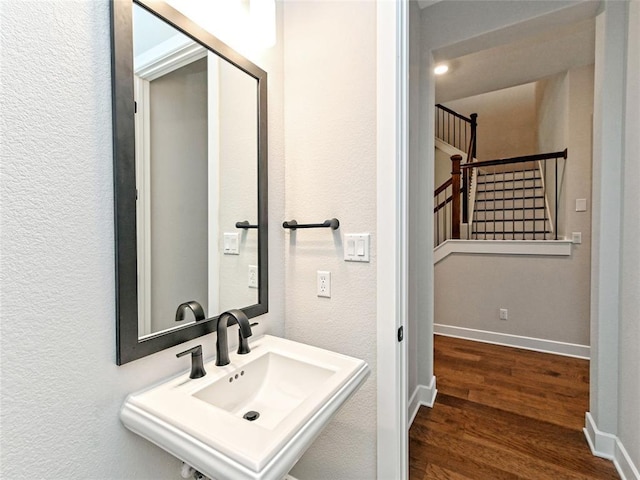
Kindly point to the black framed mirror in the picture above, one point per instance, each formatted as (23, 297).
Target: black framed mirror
(190, 178)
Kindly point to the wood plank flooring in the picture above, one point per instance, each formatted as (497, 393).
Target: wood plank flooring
(504, 413)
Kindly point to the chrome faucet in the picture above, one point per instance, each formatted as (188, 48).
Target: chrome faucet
(231, 317)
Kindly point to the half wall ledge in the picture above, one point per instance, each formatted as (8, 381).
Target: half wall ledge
(502, 247)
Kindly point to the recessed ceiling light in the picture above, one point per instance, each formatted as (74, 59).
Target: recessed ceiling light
(441, 69)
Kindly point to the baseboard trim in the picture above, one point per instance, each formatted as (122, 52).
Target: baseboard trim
(422, 395)
(517, 341)
(606, 445)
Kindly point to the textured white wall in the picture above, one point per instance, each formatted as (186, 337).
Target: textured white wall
(61, 388)
(330, 145)
(629, 377)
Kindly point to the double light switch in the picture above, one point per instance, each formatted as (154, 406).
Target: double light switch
(231, 243)
(356, 248)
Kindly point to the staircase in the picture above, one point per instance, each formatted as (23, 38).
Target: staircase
(510, 205)
(502, 199)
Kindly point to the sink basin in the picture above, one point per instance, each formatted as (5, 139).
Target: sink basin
(272, 385)
(251, 419)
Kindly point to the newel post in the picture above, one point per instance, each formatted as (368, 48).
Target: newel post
(455, 196)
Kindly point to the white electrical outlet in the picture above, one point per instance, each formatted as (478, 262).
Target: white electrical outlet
(504, 314)
(253, 276)
(324, 284)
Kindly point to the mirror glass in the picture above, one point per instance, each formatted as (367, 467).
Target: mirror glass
(196, 175)
(190, 167)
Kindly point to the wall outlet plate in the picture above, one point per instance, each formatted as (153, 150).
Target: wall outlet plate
(323, 284)
(504, 314)
(253, 276)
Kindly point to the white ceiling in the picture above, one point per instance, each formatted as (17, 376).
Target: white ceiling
(517, 63)
(523, 61)
(516, 55)
(426, 3)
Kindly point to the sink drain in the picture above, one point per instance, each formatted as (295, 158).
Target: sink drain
(251, 415)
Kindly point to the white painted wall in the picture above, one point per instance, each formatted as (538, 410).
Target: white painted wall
(629, 376)
(565, 117)
(61, 388)
(442, 170)
(606, 261)
(552, 99)
(330, 145)
(544, 295)
(238, 187)
(178, 194)
(578, 168)
(416, 134)
(506, 121)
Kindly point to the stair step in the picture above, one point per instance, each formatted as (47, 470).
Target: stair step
(509, 225)
(481, 180)
(509, 204)
(508, 220)
(511, 232)
(512, 236)
(508, 208)
(509, 199)
(507, 189)
(509, 216)
(530, 169)
(515, 175)
(526, 225)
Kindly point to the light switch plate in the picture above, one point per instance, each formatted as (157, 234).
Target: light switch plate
(231, 243)
(581, 204)
(356, 247)
(576, 237)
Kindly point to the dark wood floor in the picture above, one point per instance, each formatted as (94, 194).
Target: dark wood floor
(504, 413)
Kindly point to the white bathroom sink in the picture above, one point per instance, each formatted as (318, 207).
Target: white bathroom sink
(287, 390)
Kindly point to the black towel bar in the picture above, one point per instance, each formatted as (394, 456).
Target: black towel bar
(245, 224)
(293, 225)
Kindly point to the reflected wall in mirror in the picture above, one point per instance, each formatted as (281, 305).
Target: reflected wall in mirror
(196, 159)
(190, 162)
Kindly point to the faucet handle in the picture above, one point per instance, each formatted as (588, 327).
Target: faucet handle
(243, 343)
(197, 367)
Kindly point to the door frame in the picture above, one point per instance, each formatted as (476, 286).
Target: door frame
(392, 229)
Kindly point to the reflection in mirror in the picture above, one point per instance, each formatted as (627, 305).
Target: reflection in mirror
(189, 163)
(196, 175)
